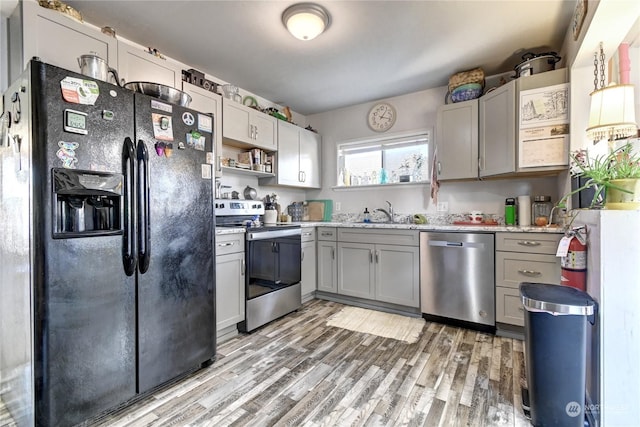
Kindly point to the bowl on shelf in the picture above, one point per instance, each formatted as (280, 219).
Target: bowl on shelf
(466, 92)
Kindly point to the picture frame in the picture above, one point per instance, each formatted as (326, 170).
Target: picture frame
(578, 18)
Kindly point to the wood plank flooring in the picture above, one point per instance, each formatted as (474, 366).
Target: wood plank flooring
(297, 371)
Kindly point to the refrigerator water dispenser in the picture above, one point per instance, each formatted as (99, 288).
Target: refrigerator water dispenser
(86, 203)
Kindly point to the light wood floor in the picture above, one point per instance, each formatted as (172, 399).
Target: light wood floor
(297, 371)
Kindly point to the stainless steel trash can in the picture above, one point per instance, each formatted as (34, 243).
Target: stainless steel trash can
(556, 320)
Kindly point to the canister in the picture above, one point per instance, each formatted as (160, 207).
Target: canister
(524, 210)
(541, 210)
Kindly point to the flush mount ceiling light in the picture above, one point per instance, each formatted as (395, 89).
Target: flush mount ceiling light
(305, 21)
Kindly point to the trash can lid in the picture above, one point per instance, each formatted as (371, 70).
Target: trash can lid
(556, 299)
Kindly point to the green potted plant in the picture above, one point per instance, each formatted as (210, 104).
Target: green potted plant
(614, 177)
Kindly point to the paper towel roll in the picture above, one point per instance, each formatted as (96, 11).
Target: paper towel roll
(524, 210)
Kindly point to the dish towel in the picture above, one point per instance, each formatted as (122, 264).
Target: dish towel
(435, 184)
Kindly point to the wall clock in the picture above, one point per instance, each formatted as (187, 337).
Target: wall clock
(381, 117)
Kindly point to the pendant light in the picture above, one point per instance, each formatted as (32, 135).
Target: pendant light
(305, 21)
(612, 114)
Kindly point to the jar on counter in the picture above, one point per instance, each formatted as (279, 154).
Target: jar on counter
(541, 210)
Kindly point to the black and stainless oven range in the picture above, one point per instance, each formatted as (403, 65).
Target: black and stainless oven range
(273, 255)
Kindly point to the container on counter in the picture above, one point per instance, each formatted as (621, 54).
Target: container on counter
(541, 210)
(524, 210)
(510, 211)
(367, 215)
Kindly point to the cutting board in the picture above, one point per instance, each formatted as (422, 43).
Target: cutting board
(316, 211)
(327, 209)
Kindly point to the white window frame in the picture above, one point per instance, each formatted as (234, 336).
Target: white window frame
(381, 140)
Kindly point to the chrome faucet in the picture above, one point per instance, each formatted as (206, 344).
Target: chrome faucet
(388, 213)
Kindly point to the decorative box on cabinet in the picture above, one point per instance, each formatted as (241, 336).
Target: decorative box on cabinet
(230, 286)
(308, 267)
(246, 127)
(457, 140)
(298, 158)
(523, 257)
(55, 38)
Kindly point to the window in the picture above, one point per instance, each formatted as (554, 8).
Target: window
(387, 160)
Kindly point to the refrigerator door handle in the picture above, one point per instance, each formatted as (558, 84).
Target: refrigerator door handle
(129, 250)
(143, 207)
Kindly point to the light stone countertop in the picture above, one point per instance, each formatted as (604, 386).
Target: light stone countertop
(424, 227)
(436, 227)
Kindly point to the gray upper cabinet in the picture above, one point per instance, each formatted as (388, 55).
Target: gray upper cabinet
(55, 38)
(457, 140)
(247, 127)
(137, 65)
(298, 158)
(497, 139)
(208, 102)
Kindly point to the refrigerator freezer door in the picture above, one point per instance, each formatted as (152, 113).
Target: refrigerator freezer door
(85, 304)
(176, 317)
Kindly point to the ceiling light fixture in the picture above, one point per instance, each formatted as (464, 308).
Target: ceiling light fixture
(305, 21)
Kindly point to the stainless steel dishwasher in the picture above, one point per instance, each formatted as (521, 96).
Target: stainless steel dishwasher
(457, 278)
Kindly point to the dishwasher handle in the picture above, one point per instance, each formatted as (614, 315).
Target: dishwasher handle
(462, 245)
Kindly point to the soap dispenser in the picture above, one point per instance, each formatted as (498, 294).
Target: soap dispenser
(367, 215)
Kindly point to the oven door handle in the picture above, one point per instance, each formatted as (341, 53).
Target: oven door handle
(263, 235)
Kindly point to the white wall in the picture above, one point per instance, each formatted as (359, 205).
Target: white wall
(415, 111)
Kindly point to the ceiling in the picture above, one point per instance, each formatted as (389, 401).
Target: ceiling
(371, 50)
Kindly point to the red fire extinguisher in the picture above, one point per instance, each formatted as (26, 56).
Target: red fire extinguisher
(574, 263)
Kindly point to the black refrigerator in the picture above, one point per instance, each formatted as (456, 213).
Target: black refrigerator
(107, 254)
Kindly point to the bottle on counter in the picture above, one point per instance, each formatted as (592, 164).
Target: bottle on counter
(541, 210)
(510, 211)
(367, 215)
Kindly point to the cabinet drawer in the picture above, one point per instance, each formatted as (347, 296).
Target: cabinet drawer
(536, 243)
(512, 268)
(229, 243)
(379, 236)
(509, 307)
(327, 233)
(308, 234)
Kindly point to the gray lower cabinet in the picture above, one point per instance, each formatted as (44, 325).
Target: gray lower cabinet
(327, 265)
(356, 272)
(230, 289)
(523, 257)
(308, 267)
(371, 269)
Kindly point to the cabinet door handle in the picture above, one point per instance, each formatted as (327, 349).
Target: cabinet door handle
(326, 233)
(439, 168)
(301, 255)
(377, 257)
(521, 308)
(219, 164)
(370, 256)
(529, 243)
(304, 176)
(530, 273)
(333, 253)
(307, 234)
(226, 244)
(255, 132)
(480, 163)
(242, 267)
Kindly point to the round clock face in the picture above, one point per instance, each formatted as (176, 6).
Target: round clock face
(381, 117)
